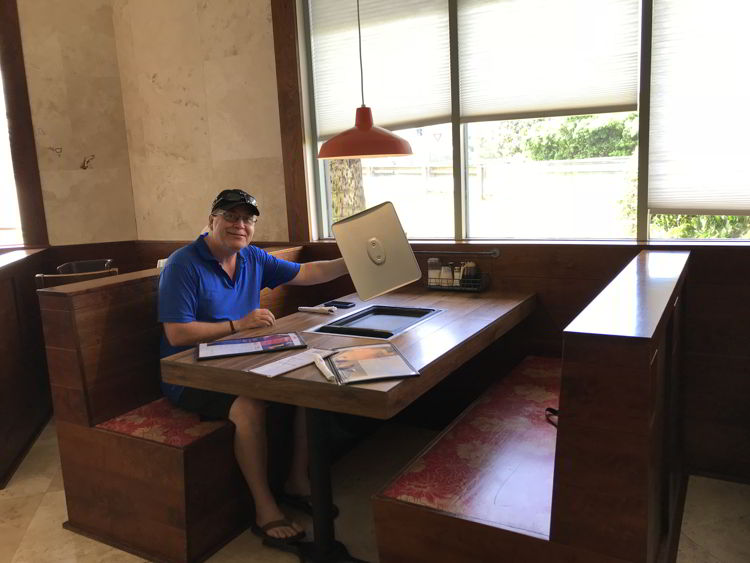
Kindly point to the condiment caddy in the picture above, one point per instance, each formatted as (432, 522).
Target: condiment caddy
(455, 276)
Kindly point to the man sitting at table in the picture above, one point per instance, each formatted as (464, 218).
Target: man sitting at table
(211, 288)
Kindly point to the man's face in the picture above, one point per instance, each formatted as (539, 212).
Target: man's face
(234, 227)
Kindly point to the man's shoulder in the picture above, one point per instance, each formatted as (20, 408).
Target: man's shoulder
(184, 261)
(187, 254)
(252, 252)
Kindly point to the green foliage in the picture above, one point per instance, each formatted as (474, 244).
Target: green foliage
(505, 139)
(597, 136)
(586, 136)
(700, 226)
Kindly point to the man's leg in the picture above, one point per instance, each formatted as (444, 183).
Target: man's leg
(250, 449)
(298, 482)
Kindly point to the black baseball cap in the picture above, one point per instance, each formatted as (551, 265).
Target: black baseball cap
(231, 198)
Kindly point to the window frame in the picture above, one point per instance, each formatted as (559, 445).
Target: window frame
(21, 129)
(298, 193)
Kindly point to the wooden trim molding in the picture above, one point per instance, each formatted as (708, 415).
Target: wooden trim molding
(20, 128)
(284, 19)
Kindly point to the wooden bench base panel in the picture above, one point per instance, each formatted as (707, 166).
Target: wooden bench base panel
(408, 533)
(121, 490)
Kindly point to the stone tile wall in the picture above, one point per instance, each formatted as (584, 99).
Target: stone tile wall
(79, 123)
(176, 100)
(199, 91)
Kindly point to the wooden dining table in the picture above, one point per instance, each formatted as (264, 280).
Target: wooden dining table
(466, 324)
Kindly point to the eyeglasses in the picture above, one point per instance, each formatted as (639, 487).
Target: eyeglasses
(230, 217)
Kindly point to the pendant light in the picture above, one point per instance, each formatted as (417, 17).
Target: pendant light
(364, 140)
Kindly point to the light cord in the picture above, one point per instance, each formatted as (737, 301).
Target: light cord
(361, 71)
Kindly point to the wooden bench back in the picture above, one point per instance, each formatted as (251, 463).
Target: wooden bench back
(102, 342)
(617, 466)
(51, 280)
(102, 339)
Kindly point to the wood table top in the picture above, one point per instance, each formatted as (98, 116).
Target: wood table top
(467, 324)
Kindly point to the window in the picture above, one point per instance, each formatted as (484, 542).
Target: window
(20, 185)
(425, 177)
(583, 168)
(10, 222)
(541, 96)
(698, 183)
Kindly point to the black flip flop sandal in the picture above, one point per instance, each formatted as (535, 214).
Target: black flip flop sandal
(262, 531)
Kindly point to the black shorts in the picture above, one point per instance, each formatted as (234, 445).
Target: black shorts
(210, 405)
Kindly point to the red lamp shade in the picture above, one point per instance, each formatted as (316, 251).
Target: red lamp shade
(364, 140)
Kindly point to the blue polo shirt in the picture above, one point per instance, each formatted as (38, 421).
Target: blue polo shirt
(194, 287)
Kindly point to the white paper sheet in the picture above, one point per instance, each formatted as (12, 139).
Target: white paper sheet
(289, 363)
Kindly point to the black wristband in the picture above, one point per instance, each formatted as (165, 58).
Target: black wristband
(231, 325)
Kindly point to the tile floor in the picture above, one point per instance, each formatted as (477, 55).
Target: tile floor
(716, 524)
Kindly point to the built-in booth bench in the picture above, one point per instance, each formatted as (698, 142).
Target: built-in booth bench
(606, 486)
(138, 473)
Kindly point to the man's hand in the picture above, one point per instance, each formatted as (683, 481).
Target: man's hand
(256, 318)
(189, 334)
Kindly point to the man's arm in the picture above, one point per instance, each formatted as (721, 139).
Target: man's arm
(311, 273)
(189, 334)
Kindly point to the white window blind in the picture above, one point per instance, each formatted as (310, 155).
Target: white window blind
(406, 61)
(519, 58)
(699, 120)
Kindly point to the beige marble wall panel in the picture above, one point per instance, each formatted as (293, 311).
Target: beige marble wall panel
(131, 98)
(235, 27)
(98, 122)
(199, 90)
(173, 115)
(90, 205)
(166, 34)
(45, 75)
(77, 113)
(53, 130)
(87, 40)
(164, 98)
(243, 111)
(173, 200)
(263, 178)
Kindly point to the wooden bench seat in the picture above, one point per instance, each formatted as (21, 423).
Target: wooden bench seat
(160, 421)
(492, 468)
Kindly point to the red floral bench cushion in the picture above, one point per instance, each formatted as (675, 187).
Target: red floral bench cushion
(470, 470)
(160, 421)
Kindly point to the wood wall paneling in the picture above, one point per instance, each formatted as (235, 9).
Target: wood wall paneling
(16, 397)
(717, 363)
(284, 18)
(716, 387)
(25, 402)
